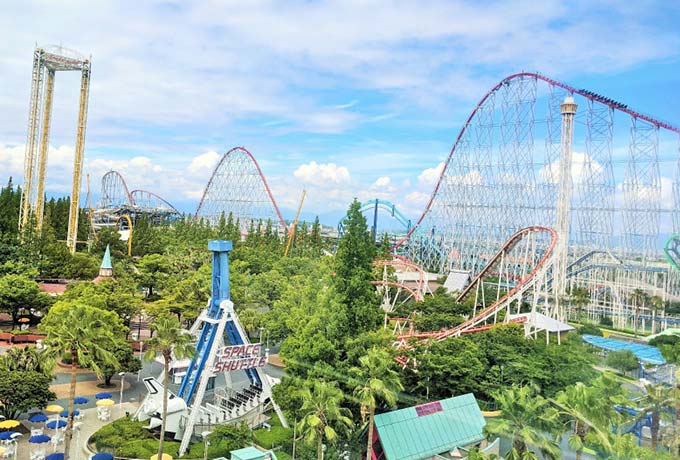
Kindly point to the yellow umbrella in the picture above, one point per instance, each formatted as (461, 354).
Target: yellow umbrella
(105, 402)
(9, 424)
(165, 457)
(54, 408)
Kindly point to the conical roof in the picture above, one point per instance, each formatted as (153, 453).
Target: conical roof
(106, 261)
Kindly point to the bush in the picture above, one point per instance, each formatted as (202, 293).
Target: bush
(589, 329)
(623, 360)
(21, 332)
(66, 358)
(121, 434)
(606, 321)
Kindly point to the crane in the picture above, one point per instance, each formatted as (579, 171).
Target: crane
(291, 232)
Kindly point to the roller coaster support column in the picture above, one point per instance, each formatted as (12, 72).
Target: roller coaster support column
(375, 222)
(568, 110)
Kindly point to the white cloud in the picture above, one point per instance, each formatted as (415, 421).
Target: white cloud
(430, 176)
(322, 175)
(204, 163)
(582, 166)
(382, 181)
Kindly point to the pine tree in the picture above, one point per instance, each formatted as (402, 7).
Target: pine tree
(353, 270)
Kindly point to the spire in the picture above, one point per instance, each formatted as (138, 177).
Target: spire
(106, 268)
(106, 261)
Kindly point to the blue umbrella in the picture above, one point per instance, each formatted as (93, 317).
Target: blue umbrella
(101, 456)
(37, 418)
(80, 400)
(7, 435)
(65, 413)
(103, 395)
(55, 456)
(55, 424)
(39, 439)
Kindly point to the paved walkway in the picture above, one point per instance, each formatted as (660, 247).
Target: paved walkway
(90, 424)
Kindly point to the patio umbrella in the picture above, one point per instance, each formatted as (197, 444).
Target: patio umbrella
(9, 424)
(7, 435)
(105, 402)
(37, 418)
(80, 400)
(39, 439)
(102, 456)
(54, 408)
(65, 413)
(54, 424)
(55, 456)
(103, 395)
(165, 457)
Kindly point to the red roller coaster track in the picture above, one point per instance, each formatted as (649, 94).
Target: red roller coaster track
(522, 286)
(587, 94)
(259, 171)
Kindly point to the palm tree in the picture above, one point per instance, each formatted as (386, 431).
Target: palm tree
(321, 406)
(27, 359)
(526, 419)
(590, 408)
(87, 333)
(169, 340)
(656, 304)
(639, 298)
(657, 402)
(377, 381)
(580, 297)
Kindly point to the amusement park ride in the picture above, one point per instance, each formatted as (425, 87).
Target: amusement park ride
(222, 350)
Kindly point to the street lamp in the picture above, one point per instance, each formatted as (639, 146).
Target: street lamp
(122, 385)
(206, 439)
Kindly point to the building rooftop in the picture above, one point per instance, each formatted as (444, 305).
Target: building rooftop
(433, 428)
(251, 453)
(106, 261)
(644, 353)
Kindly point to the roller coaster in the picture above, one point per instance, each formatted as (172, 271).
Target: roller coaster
(117, 200)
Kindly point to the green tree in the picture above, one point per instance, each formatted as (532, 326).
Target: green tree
(353, 273)
(27, 359)
(19, 293)
(378, 381)
(169, 340)
(590, 409)
(526, 419)
(322, 409)
(23, 390)
(580, 297)
(126, 361)
(153, 271)
(657, 402)
(623, 360)
(87, 333)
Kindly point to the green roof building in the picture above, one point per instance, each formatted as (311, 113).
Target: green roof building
(443, 429)
(106, 268)
(251, 453)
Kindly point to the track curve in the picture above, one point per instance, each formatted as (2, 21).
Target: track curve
(219, 165)
(516, 292)
(614, 105)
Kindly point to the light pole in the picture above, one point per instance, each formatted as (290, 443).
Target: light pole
(206, 439)
(122, 385)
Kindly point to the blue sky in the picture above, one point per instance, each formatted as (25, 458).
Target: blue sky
(353, 98)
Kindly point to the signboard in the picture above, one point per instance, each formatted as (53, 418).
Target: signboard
(239, 357)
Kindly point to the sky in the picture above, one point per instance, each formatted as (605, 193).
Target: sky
(342, 98)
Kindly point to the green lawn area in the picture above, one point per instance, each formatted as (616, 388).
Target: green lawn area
(277, 436)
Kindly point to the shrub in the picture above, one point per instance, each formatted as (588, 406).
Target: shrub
(21, 332)
(606, 321)
(623, 360)
(589, 329)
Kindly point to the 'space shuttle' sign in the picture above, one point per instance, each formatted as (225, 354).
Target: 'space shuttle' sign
(239, 357)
